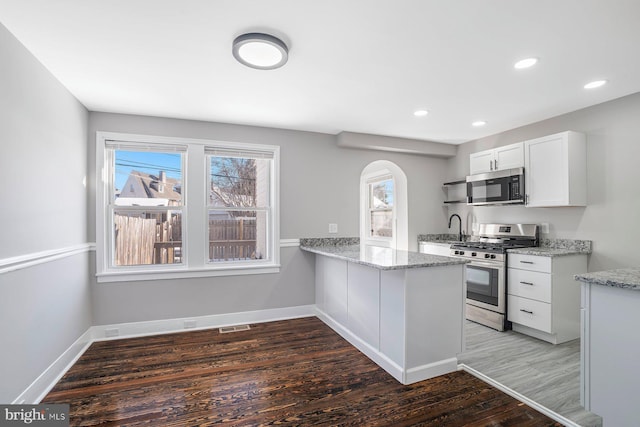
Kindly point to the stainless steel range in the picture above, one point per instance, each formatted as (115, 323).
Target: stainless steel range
(487, 272)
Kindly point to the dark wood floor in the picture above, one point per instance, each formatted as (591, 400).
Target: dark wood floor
(294, 372)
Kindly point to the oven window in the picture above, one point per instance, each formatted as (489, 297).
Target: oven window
(478, 277)
(482, 284)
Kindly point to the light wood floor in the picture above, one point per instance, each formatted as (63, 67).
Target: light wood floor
(547, 374)
(290, 373)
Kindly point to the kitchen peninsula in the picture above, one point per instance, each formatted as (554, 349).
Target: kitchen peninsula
(404, 310)
(610, 346)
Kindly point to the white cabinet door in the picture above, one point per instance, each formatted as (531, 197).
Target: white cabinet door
(528, 312)
(509, 156)
(481, 162)
(555, 170)
(506, 157)
(543, 296)
(364, 303)
(335, 287)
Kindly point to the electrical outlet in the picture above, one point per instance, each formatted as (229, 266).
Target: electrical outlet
(544, 228)
(333, 228)
(189, 324)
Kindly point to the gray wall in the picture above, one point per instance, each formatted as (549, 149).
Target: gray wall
(613, 174)
(43, 155)
(319, 185)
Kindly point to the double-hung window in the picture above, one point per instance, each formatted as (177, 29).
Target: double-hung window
(380, 204)
(177, 207)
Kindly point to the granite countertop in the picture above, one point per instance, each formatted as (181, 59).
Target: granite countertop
(626, 278)
(556, 247)
(441, 238)
(382, 258)
(548, 247)
(548, 252)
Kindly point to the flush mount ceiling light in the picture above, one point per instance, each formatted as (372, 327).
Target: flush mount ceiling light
(420, 113)
(594, 84)
(260, 51)
(525, 63)
(478, 123)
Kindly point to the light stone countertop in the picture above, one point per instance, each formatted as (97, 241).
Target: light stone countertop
(626, 278)
(383, 258)
(547, 248)
(548, 252)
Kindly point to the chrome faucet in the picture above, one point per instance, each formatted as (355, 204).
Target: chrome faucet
(460, 224)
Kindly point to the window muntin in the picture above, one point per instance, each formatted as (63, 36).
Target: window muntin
(381, 195)
(185, 251)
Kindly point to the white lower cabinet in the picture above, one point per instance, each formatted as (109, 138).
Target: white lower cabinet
(543, 300)
(331, 283)
(363, 296)
(610, 352)
(408, 321)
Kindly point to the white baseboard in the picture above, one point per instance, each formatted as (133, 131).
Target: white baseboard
(155, 327)
(380, 359)
(431, 370)
(409, 376)
(39, 388)
(522, 398)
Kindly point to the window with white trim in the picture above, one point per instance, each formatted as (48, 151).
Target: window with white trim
(383, 205)
(380, 216)
(176, 207)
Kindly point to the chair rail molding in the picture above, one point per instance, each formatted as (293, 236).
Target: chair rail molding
(8, 265)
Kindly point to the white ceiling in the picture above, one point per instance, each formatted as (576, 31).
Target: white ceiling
(354, 65)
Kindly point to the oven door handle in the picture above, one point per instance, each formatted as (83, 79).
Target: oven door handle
(486, 264)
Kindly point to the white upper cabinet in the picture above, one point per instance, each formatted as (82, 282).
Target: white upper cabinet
(481, 162)
(507, 157)
(556, 170)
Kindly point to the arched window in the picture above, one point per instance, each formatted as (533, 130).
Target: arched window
(383, 205)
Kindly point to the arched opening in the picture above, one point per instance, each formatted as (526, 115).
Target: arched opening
(383, 206)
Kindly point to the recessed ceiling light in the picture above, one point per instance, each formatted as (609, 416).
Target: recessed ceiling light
(478, 123)
(260, 51)
(420, 113)
(594, 84)
(525, 63)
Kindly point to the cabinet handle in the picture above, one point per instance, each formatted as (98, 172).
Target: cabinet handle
(495, 164)
(526, 311)
(526, 199)
(527, 283)
(490, 164)
(526, 262)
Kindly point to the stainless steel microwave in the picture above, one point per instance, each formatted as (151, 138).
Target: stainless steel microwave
(496, 188)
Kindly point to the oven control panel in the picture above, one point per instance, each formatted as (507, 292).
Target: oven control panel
(485, 256)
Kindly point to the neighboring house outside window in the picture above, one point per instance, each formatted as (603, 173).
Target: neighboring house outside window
(155, 221)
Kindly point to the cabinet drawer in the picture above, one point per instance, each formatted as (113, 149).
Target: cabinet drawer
(529, 284)
(530, 262)
(531, 313)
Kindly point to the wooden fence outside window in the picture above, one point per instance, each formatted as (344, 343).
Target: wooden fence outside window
(147, 241)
